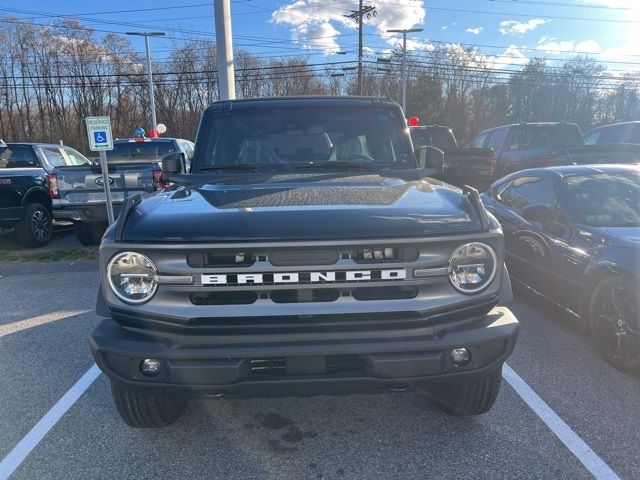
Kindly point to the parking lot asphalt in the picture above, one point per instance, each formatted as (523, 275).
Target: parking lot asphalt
(46, 319)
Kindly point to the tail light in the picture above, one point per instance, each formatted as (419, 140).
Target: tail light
(52, 179)
(157, 179)
(547, 160)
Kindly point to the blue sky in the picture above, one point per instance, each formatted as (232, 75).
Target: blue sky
(507, 31)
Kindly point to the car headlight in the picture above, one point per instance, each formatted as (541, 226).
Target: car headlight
(472, 267)
(132, 277)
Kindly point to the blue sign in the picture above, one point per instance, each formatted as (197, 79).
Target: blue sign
(100, 137)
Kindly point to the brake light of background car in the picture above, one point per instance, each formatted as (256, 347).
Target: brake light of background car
(157, 179)
(414, 121)
(547, 160)
(52, 179)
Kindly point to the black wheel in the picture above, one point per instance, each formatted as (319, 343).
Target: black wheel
(614, 321)
(147, 410)
(36, 227)
(89, 234)
(474, 398)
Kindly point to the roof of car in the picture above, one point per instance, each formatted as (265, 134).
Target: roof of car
(35, 144)
(634, 122)
(533, 124)
(140, 140)
(424, 127)
(269, 102)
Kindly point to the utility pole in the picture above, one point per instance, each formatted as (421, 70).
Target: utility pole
(357, 15)
(224, 49)
(152, 100)
(404, 61)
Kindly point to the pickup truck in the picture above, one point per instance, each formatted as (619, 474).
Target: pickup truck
(627, 132)
(544, 144)
(25, 170)
(77, 193)
(308, 252)
(462, 166)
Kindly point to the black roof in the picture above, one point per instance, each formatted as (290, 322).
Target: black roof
(300, 101)
(34, 144)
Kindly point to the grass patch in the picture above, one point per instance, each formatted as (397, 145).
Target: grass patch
(64, 255)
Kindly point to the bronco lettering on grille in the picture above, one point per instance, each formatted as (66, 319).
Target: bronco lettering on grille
(300, 278)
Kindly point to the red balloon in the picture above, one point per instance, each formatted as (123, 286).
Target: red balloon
(414, 121)
(153, 133)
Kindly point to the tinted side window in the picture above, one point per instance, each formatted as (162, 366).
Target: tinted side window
(496, 139)
(591, 138)
(479, 141)
(18, 156)
(635, 136)
(616, 134)
(528, 191)
(75, 157)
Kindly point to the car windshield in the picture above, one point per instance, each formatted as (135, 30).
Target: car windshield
(286, 137)
(435, 137)
(606, 199)
(17, 156)
(140, 151)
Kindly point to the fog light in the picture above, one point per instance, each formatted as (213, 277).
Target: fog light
(460, 356)
(150, 367)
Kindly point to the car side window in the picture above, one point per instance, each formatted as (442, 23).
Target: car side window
(591, 138)
(635, 136)
(479, 141)
(525, 191)
(616, 134)
(496, 139)
(188, 149)
(54, 156)
(75, 157)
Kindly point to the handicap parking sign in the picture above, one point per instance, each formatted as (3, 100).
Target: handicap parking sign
(100, 137)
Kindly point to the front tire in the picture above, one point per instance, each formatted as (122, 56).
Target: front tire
(614, 321)
(473, 398)
(147, 410)
(36, 226)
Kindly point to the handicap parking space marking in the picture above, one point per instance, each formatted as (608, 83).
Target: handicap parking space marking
(16, 456)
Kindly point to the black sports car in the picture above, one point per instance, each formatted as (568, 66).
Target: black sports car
(573, 235)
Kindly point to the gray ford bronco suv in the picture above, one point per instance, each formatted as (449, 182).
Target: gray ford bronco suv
(307, 252)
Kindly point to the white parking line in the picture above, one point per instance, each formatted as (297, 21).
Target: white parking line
(46, 423)
(13, 327)
(596, 466)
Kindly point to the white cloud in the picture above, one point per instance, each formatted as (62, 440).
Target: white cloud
(315, 24)
(513, 27)
(554, 47)
(613, 3)
(474, 30)
(511, 56)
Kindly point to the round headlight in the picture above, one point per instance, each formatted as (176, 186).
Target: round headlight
(473, 267)
(132, 277)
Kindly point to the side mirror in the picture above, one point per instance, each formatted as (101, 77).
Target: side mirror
(431, 158)
(173, 163)
(538, 213)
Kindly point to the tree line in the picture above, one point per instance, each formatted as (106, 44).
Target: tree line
(52, 76)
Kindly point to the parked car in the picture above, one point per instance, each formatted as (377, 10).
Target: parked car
(462, 166)
(627, 132)
(134, 168)
(572, 234)
(529, 145)
(307, 252)
(25, 170)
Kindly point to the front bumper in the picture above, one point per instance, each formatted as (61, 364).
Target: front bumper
(303, 367)
(85, 213)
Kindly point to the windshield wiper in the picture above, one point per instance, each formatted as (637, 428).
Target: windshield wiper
(360, 166)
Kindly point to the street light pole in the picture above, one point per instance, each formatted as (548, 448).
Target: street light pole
(224, 49)
(152, 100)
(404, 61)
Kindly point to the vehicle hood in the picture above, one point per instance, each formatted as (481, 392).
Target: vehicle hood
(631, 234)
(300, 207)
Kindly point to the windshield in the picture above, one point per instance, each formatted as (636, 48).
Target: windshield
(606, 199)
(285, 137)
(436, 137)
(142, 152)
(17, 156)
